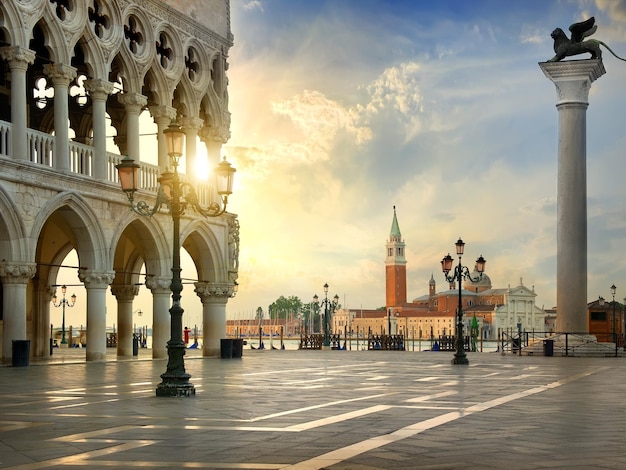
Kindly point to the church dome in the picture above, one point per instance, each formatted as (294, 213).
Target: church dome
(483, 283)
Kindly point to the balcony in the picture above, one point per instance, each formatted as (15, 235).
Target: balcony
(41, 149)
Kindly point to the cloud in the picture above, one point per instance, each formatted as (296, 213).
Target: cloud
(253, 5)
(320, 120)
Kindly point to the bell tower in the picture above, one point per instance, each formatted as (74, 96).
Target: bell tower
(395, 266)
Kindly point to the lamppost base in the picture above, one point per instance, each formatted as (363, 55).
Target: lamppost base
(175, 387)
(460, 360)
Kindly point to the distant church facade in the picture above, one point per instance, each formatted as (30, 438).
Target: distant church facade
(434, 313)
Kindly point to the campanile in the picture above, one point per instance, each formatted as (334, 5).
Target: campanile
(395, 266)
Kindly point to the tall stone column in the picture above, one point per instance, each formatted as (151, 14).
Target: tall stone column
(96, 284)
(214, 296)
(41, 323)
(133, 104)
(61, 76)
(160, 288)
(191, 126)
(15, 278)
(125, 296)
(19, 59)
(163, 116)
(99, 90)
(573, 81)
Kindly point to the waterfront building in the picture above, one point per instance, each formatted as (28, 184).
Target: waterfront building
(434, 314)
(76, 79)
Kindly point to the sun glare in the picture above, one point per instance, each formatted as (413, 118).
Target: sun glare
(202, 169)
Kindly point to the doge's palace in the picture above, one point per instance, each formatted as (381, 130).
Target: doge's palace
(76, 77)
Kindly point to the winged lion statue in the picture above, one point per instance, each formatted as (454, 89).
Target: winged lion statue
(566, 47)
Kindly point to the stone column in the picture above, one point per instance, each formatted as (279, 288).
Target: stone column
(125, 296)
(41, 323)
(163, 116)
(19, 59)
(99, 90)
(61, 76)
(214, 296)
(160, 288)
(133, 104)
(96, 284)
(191, 126)
(15, 278)
(573, 80)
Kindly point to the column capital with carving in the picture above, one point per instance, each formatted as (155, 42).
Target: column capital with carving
(573, 78)
(132, 101)
(214, 292)
(162, 113)
(99, 89)
(191, 124)
(96, 279)
(124, 292)
(60, 74)
(17, 273)
(18, 57)
(158, 285)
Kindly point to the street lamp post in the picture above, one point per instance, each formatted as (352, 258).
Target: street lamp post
(329, 307)
(63, 303)
(613, 291)
(177, 196)
(460, 272)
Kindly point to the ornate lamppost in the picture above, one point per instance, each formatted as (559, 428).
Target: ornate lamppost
(613, 291)
(329, 308)
(177, 196)
(460, 272)
(63, 303)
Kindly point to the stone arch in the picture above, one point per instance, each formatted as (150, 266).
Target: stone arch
(139, 240)
(13, 246)
(54, 39)
(211, 110)
(185, 100)
(81, 228)
(204, 248)
(156, 87)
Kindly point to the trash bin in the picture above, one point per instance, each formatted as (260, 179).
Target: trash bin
(548, 347)
(516, 344)
(135, 345)
(21, 352)
(226, 348)
(237, 348)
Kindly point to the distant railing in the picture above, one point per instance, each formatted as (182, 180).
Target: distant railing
(563, 343)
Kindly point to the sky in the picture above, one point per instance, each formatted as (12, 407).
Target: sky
(342, 109)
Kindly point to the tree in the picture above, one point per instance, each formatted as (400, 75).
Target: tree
(259, 314)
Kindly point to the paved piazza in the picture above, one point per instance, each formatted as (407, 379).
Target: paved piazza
(318, 409)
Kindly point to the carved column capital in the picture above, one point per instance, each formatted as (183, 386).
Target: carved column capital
(573, 79)
(124, 292)
(17, 57)
(132, 101)
(96, 279)
(158, 285)
(162, 113)
(217, 292)
(191, 124)
(60, 74)
(98, 89)
(17, 273)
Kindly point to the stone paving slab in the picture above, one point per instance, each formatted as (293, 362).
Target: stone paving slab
(277, 409)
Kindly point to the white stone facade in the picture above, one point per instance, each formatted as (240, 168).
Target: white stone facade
(70, 70)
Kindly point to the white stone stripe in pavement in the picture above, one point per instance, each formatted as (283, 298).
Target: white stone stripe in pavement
(339, 455)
